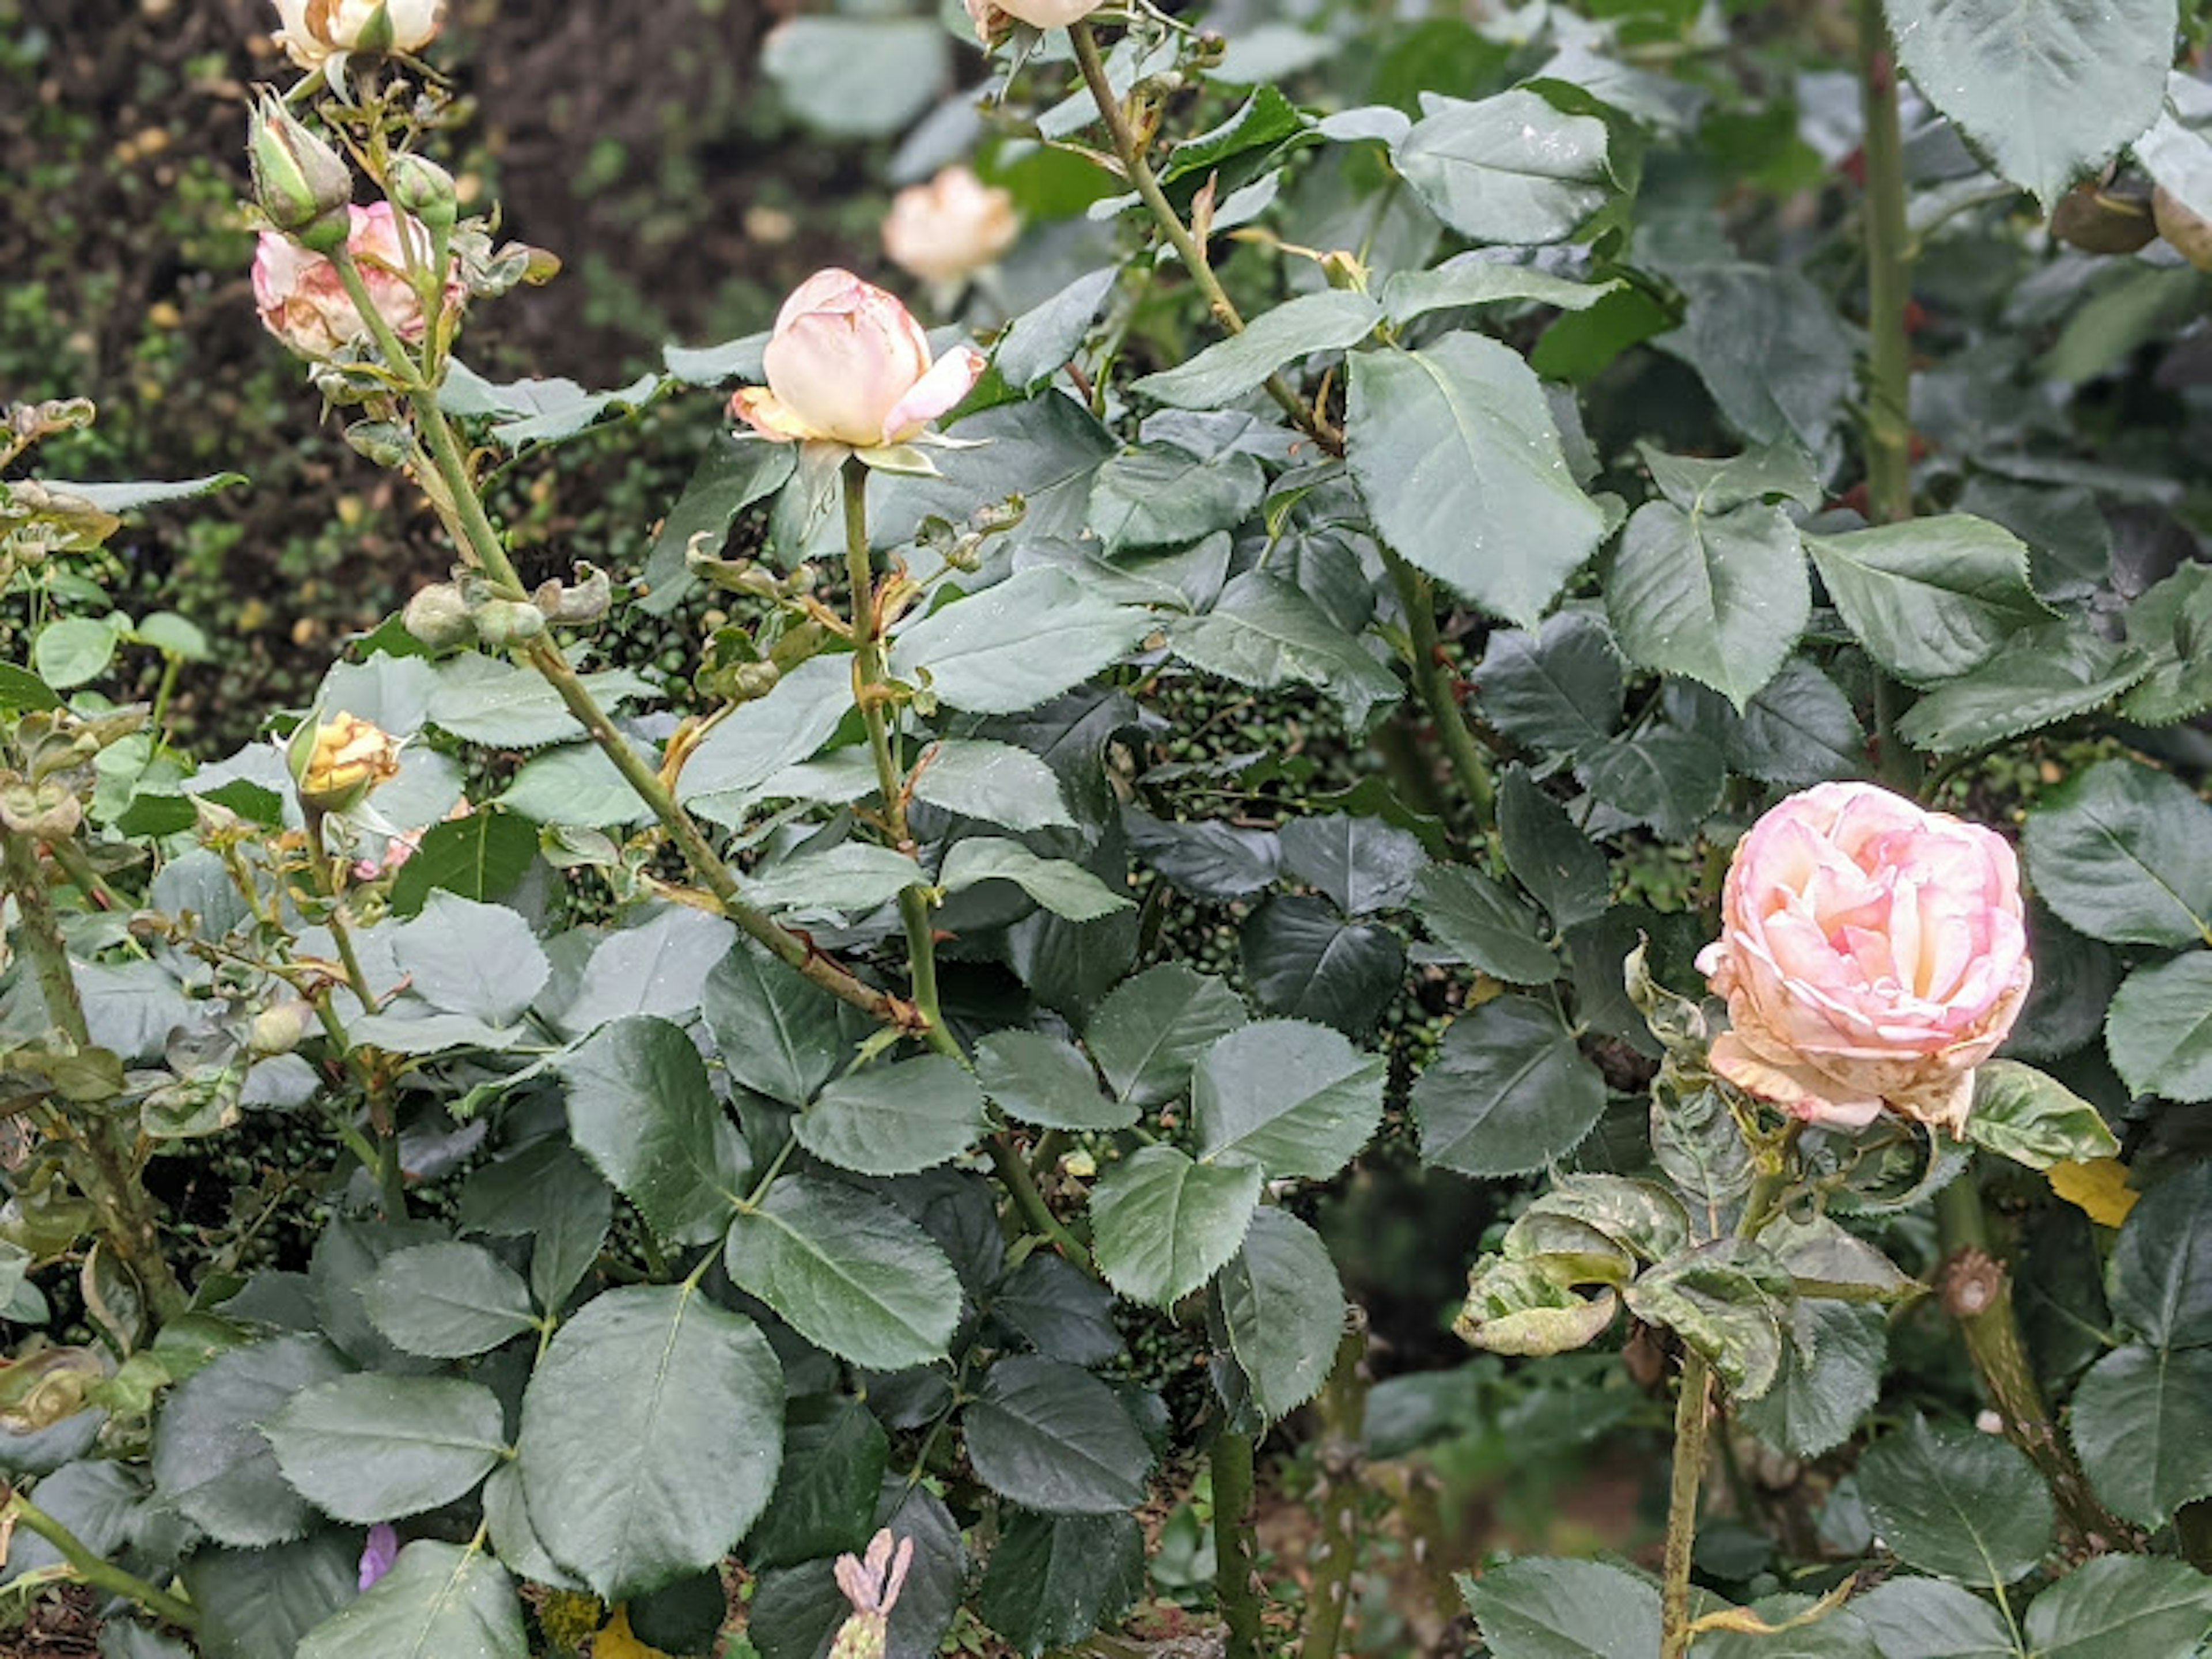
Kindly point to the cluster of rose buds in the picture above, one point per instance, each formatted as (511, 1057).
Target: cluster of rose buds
(1872, 953)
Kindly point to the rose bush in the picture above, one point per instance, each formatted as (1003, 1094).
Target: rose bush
(814, 1136)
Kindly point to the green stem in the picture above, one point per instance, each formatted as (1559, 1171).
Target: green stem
(1682, 1504)
(1236, 1576)
(1130, 152)
(98, 1149)
(1014, 1174)
(1337, 1494)
(1433, 684)
(95, 1571)
(1889, 287)
(391, 1179)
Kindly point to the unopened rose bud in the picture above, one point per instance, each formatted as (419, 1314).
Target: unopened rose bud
(420, 187)
(278, 1028)
(438, 616)
(949, 227)
(300, 182)
(336, 763)
(847, 364)
(316, 30)
(500, 624)
(753, 679)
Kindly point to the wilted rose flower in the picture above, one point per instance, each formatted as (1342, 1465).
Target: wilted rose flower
(991, 16)
(314, 29)
(848, 363)
(336, 761)
(1872, 955)
(378, 1554)
(953, 225)
(304, 304)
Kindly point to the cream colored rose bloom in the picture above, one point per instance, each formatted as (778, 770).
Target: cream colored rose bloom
(1872, 954)
(314, 29)
(990, 18)
(345, 758)
(847, 363)
(949, 228)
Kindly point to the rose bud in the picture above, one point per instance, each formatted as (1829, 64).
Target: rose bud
(422, 187)
(315, 30)
(949, 228)
(1872, 954)
(303, 184)
(304, 304)
(336, 763)
(438, 616)
(847, 364)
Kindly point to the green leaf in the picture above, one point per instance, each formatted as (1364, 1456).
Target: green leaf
(1547, 855)
(514, 1535)
(1363, 863)
(1473, 279)
(1769, 346)
(2023, 1115)
(851, 878)
(211, 1462)
(1299, 1099)
(2048, 91)
(1265, 633)
(1262, 122)
(2039, 677)
(1163, 1225)
(651, 1434)
(1053, 1579)
(994, 781)
(1720, 597)
(1929, 1619)
(1164, 496)
(1932, 597)
(2162, 1276)
(2159, 1031)
(73, 651)
(1455, 448)
(1284, 1310)
(1303, 959)
(895, 1119)
(1829, 1382)
(1510, 168)
(447, 1301)
(481, 700)
(2170, 623)
(757, 740)
(471, 959)
(542, 411)
(1329, 320)
(437, 1600)
(1481, 922)
(482, 856)
(640, 1108)
(797, 1612)
(779, 1033)
(1150, 1030)
(1063, 887)
(1043, 1080)
(1957, 1503)
(1730, 1300)
(99, 1503)
(1560, 690)
(576, 785)
(262, 1603)
(1039, 343)
(847, 1271)
(129, 497)
(1540, 1609)
(21, 689)
(730, 477)
(834, 1455)
(371, 1448)
(2125, 854)
(1508, 1092)
(2122, 1604)
(1668, 779)
(1060, 1310)
(858, 77)
(1013, 646)
(547, 1193)
(2143, 1423)
(1055, 1438)
(1771, 472)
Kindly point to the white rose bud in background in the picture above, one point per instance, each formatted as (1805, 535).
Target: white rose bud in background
(316, 30)
(849, 364)
(951, 227)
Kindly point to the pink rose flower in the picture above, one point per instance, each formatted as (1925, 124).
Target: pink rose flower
(304, 304)
(990, 18)
(313, 30)
(949, 227)
(849, 364)
(1872, 955)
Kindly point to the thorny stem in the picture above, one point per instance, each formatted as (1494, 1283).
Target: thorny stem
(97, 1145)
(95, 1570)
(1343, 1409)
(1236, 1576)
(1682, 1504)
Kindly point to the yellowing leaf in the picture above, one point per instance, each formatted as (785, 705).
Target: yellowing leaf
(616, 1642)
(2099, 1188)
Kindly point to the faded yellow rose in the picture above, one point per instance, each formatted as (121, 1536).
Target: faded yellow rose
(336, 763)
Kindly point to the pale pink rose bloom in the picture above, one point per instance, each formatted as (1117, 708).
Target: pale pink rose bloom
(313, 29)
(847, 363)
(990, 16)
(949, 227)
(304, 304)
(1872, 955)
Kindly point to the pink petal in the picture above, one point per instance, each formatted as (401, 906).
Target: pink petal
(952, 378)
